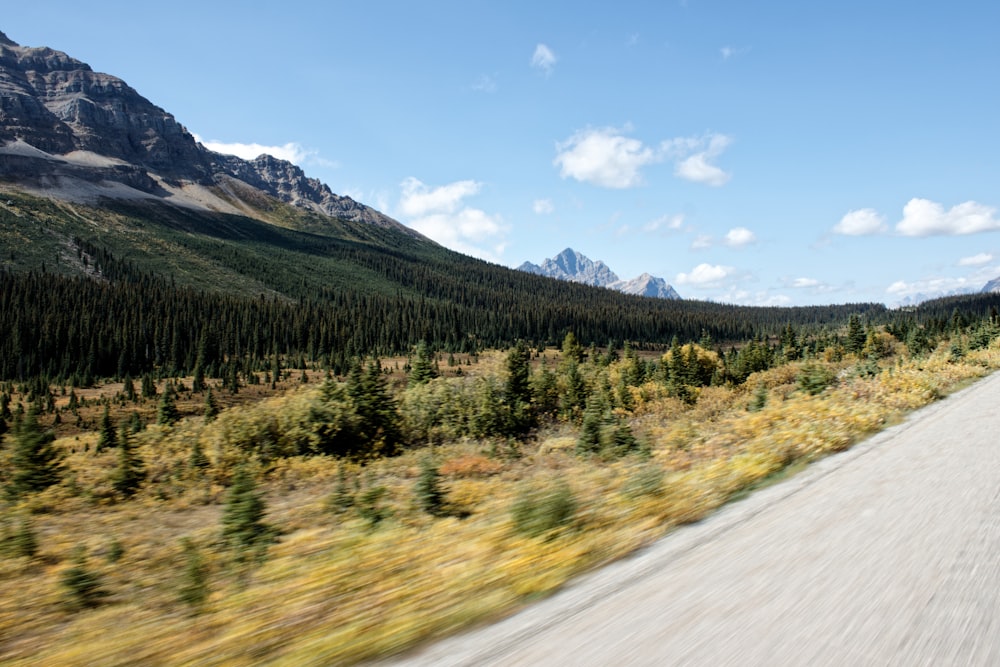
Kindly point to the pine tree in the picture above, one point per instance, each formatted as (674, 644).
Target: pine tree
(37, 464)
(166, 412)
(211, 406)
(198, 460)
(243, 524)
(148, 387)
(429, 493)
(591, 437)
(422, 370)
(130, 473)
(107, 438)
(128, 389)
(378, 420)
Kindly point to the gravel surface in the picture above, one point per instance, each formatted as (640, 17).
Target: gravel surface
(888, 554)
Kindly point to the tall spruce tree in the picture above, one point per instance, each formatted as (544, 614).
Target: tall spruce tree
(131, 471)
(243, 524)
(429, 492)
(378, 420)
(422, 369)
(166, 411)
(37, 465)
(106, 438)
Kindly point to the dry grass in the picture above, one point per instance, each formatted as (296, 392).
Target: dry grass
(336, 590)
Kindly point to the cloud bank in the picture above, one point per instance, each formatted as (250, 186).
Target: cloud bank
(607, 157)
(293, 152)
(440, 213)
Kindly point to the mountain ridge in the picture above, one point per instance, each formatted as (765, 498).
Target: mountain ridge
(68, 132)
(576, 267)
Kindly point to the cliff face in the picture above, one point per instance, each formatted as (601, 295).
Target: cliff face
(53, 106)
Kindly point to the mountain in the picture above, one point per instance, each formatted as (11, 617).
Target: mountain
(575, 267)
(73, 134)
(992, 286)
(646, 285)
(922, 297)
(126, 244)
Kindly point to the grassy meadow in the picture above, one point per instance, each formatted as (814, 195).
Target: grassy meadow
(356, 558)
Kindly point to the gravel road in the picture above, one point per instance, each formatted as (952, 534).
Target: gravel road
(888, 554)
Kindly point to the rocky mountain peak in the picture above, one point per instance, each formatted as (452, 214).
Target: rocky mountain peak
(576, 267)
(61, 122)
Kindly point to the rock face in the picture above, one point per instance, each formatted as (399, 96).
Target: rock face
(646, 285)
(575, 267)
(59, 107)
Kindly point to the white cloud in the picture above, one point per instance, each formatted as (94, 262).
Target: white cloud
(543, 59)
(293, 152)
(922, 217)
(976, 260)
(693, 156)
(609, 158)
(543, 206)
(732, 52)
(419, 200)
(934, 287)
(485, 84)
(604, 157)
(801, 283)
(747, 298)
(671, 222)
(861, 222)
(440, 214)
(705, 276)
(701, 242)
(739, 237)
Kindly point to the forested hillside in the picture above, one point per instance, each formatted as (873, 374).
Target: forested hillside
(136, 288)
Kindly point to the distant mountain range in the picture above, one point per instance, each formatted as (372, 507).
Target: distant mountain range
(991, 287)
(578, 268)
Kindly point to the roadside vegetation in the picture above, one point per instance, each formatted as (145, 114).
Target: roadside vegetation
(314, 519)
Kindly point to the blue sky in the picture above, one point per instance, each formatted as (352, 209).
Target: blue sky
(748, 152)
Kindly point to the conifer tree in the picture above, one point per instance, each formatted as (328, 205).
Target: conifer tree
(148, 386)
(166, 412)
(198, 460)
(106, 438)
(128, 389)
(422, 370)
(37, 464)
(378, 420)
(590, 440)
(429, 493)
(243, 524)
(211, 406)
(194, 586)
(135, 422)
(131, 472)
